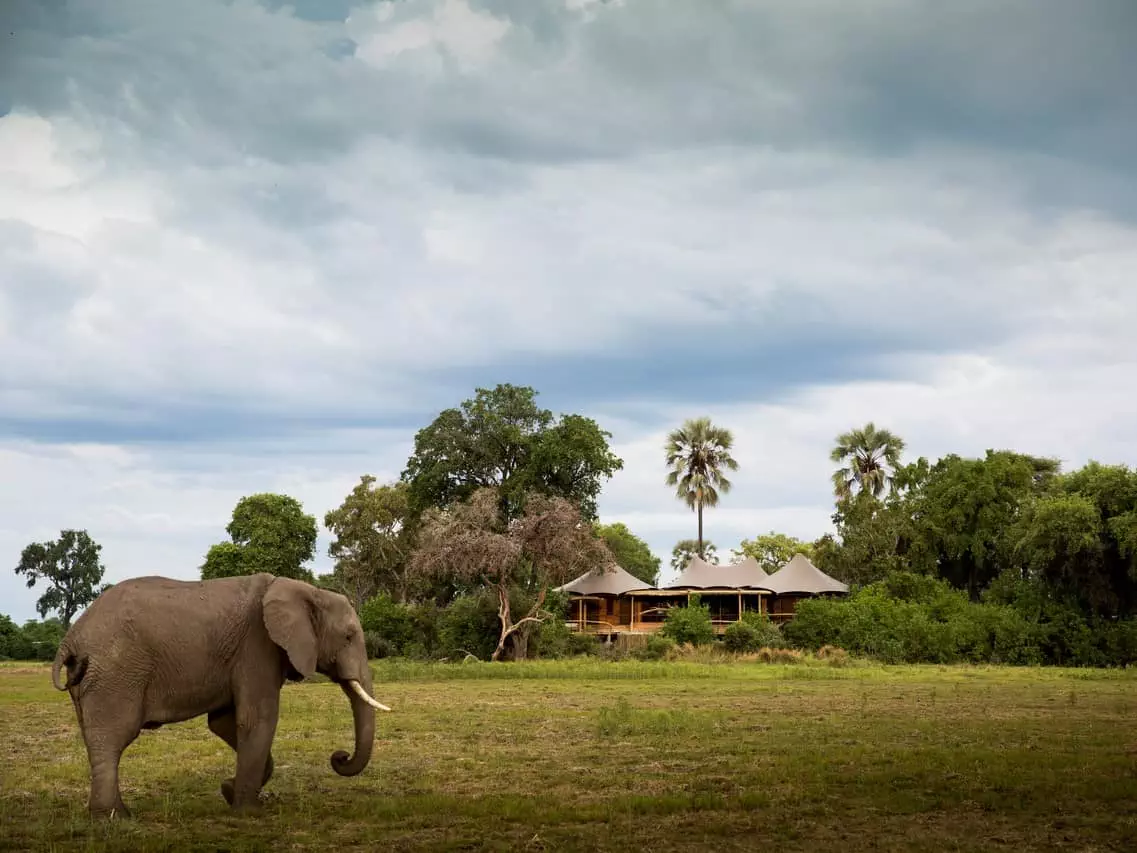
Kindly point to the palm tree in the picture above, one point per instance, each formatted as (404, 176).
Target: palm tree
(698, 453)
(871, 455)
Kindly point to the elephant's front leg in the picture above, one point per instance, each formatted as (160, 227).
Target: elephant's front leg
(224, 725)
(256, 727)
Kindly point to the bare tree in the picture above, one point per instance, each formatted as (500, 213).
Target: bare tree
(547, 545)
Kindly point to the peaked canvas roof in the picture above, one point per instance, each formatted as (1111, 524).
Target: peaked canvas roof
(800, 575)
(612, 580)
(700, 574)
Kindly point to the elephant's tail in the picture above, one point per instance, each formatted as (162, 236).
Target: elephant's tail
(76, 666)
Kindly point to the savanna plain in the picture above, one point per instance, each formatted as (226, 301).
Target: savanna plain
(596, 755)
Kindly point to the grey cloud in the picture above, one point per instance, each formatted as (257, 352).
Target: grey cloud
(333, 234)
(639, 76)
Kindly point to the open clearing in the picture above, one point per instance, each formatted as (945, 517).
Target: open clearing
(587, 755)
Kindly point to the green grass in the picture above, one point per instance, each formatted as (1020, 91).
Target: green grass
(588, 755)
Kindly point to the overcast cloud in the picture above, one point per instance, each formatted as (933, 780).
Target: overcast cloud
(254, 246)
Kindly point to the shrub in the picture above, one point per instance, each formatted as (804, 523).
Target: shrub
(583, 644)
(752, 632)
(908, 618)
(691, 624)
(657, 647)
(389, 623)
(469, 626)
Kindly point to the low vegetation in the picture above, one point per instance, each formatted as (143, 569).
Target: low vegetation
(692, 754)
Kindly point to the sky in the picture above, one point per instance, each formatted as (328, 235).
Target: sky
(254, 246)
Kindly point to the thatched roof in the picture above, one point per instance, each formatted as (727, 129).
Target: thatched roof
(799, 575)
(610, 580)
(700, 574)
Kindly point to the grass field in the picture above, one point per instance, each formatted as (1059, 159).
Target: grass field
(629, 756)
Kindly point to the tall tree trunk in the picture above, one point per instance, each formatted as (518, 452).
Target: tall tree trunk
(702, 556)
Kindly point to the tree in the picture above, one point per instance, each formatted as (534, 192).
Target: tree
(773, 550)
(502, 439)
(72, 569)
(872, 455)
(962, 516)
(372, 541)
(685, 549)
(871, 539)
(547, 545)
(269, 533)
(1080, 537)
(698, 453)
(632, 554)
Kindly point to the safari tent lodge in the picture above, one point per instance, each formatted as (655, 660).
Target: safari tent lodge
(609, 601)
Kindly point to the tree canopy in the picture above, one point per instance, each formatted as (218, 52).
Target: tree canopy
(502, 439)
(631, 553)
(372, 541)
(268, 533)
(773, 550)
(71, 568)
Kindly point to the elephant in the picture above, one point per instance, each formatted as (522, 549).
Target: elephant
(154, 650)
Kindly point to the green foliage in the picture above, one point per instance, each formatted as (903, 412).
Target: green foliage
(632, 553)
(752, 632)
(70, 567)
(470, 625)
(502, 438)
(964, 512)
(657, 647)
(269, 533)
(224, 560)
(685, 549)
(1082, 538)
(691, 624)
(869, 535)
(34, 641)
(909, 618)
(390, 623)
(773, 550)
(372, 540)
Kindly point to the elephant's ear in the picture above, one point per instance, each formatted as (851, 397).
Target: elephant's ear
(289, 615)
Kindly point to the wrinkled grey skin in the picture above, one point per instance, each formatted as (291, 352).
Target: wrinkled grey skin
(151, 651)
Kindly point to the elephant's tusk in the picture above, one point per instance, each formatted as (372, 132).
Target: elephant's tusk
(362, 694)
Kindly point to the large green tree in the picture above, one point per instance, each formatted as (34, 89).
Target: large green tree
(632, 554)
(963, 515)
(870, 540)
(502, 439)
(698, 454)
(70, 567)
(773, 550)
(1080, 537)
(268, 533)
(372, 541)
(871, 455)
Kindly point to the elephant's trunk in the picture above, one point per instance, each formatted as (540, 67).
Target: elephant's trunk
(364, 717)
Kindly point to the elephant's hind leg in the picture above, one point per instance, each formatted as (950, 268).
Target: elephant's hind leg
(224, 725)
(108, 729)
